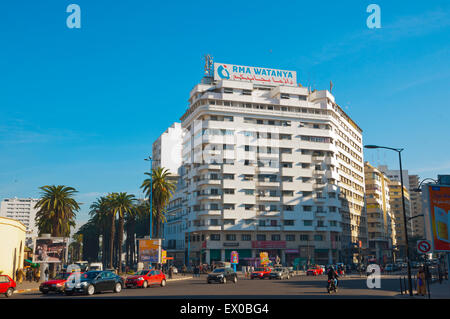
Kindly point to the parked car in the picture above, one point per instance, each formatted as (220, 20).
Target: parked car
(95, 281)
(7, 285)
(314, 271)
(279, 273)
(389, 267)
(145, 278)
(222, 275)
(261, 273)
(55, 285)
(95, 266)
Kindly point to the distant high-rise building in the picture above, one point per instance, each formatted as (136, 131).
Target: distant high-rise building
(21, 209)
(417, 223)
(380, 218)
(395, 194)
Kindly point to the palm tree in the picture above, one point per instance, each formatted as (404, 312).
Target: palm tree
(121, 204)
(99, 212)
(57, 207)
(56, 212)
(163, 189)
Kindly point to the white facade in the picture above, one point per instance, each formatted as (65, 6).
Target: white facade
(22, 210)
(267, 168)
(166, 149)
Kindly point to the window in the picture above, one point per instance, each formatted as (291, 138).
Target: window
(261, 237)
(228, 191)
(249, 191)
(213, 222)
(215, 237)
(228, 176)
(214, 206)
(290, 237)
(246, 237)
(318, 237)
(229, 221)
(228, 206)
(307, 222)
(247, 148)
(248, 221)
(304, 237)
(230, 237)
(262, 223)
(289, 208)
(273, 223)
(307, 208)
(276, 237)
(289, 222)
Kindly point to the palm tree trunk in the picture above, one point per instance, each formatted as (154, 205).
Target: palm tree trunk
(121, 222)
(111, 241)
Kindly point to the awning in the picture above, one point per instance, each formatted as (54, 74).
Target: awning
(32, 264)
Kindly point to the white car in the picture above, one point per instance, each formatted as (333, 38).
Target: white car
(175, 270)
(95, 266)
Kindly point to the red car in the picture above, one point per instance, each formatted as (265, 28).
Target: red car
(261, 273)
(55, 285)
(7, 285)
(145, 278)
(314, 271)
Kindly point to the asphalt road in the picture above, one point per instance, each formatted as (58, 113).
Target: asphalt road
(293, 288)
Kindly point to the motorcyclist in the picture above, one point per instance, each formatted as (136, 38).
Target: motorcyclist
(332, 275)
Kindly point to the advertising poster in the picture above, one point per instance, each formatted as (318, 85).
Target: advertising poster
(234, 257)
(150, 250)
(50, 249)
(163, 256)
(439, 199)
(264, 258)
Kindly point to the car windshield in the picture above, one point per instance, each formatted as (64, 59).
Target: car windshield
(218, 270)
(142, 272)
(91, 274)
(61, 276)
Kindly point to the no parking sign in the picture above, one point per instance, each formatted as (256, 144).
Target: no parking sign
(423, 246)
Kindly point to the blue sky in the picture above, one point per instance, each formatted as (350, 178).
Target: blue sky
(81, 107)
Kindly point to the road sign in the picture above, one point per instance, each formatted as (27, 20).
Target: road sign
(423, 246)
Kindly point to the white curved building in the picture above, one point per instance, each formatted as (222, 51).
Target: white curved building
(267, 166)
(12, 245)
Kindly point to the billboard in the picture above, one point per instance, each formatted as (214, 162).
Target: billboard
(264, 258)
(163, 256)
(150, 250)
(50, 249)
(437, 200)
(255, 75)
(234, 257)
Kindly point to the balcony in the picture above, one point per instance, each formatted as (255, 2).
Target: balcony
(268, 213)
(208, 182)
(264, 198)
(209, 213)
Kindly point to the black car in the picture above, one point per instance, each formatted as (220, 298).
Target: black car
(222, 275)
(94, 281)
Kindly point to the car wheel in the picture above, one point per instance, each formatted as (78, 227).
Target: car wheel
(90, 290)
(145, 284)
(118, 288)
(235, 279)
(163, 283)
(9, 292)
(224, 280)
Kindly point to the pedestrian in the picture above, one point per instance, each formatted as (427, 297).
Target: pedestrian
(421, 282)
(183, 270)
(170, 272)
(19, 275)
(37, 275)
(28, 274)
(46, 273)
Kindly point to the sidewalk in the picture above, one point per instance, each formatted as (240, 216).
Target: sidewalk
(437, 291)
(27, 286)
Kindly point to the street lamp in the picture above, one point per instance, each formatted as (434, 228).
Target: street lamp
(399, 151)
(151, 191)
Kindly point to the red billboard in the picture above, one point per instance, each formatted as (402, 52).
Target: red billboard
(439, 199)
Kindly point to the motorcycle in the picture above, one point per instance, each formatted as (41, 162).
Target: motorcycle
(332, 286)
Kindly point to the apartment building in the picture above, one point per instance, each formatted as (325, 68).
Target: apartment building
(417, 223)
(22, 210)
(267, 165)
(380, 218)
(395, 194)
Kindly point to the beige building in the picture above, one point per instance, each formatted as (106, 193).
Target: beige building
(395, 194)
(12, 245)
(418, 223)
(380, 218)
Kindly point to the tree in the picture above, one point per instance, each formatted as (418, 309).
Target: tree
(56, 212)
(100, 216)
(121, 204)
(163, 188)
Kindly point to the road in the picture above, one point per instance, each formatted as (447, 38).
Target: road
(293, 288)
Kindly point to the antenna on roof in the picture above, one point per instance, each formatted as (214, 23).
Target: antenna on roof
(209, 69)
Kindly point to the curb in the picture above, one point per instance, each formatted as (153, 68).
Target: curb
(25, 290)
(184, 278)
